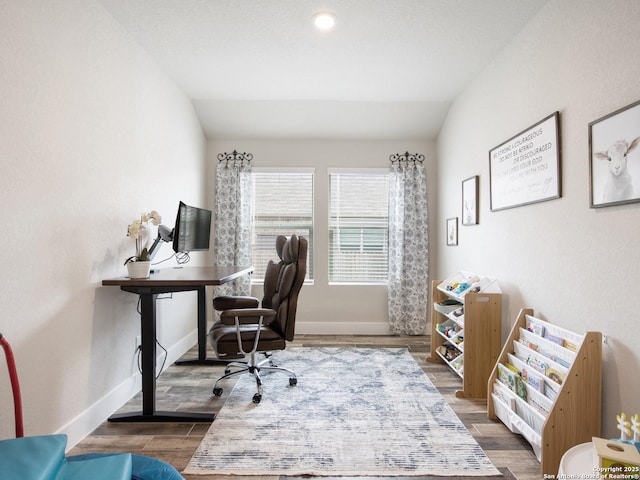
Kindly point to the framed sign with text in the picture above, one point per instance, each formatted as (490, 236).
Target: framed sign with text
(526, 168)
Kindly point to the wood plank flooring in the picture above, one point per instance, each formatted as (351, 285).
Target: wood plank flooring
(188, 388)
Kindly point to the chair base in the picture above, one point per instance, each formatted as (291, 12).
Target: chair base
(255, 368)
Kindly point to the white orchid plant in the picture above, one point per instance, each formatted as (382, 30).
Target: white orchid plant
(137, 231)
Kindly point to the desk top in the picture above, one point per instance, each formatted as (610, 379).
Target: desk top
(184, 276)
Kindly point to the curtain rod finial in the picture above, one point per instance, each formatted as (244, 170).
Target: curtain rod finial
(235, 158)
(406, 157)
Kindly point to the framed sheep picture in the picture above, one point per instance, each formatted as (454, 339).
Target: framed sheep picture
(614, 157)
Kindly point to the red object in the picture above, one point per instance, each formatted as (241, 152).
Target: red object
(15, 386)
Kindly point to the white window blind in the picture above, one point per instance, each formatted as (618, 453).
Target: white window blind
(283, 206)
(358, 227)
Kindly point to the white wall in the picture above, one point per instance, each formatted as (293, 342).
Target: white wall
(324, 308)
(92, 133)
(575, 266)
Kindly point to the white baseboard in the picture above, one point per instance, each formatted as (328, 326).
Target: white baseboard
(90, 419)
(343, 328)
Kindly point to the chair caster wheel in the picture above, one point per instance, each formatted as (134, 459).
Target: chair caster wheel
(293, 381)
(256, 398)
(217, 391)
(227, 371)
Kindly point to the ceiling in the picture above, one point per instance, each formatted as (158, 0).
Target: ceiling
(260, 69)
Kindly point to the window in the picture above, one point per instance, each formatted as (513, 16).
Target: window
(283, 205)
(358, 226)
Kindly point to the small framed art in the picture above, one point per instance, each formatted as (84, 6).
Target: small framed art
(614, 157)
(452, 231)
(470, 201)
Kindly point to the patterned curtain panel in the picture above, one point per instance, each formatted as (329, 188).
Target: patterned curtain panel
(408, 248)
(233, 222)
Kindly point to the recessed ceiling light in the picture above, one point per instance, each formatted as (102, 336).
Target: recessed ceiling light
(324, 20)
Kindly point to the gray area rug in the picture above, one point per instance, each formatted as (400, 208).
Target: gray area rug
(355, 411)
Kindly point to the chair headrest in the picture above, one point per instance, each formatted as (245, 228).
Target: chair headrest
(288, 248)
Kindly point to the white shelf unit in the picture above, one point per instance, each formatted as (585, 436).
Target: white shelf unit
(552, 415)
(468, 337)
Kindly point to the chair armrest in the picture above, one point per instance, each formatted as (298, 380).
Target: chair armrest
(248, 316)
(228, 302)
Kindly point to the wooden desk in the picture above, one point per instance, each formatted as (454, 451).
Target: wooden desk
(169, 280)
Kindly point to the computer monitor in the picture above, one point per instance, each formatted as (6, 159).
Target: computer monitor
(192, 229)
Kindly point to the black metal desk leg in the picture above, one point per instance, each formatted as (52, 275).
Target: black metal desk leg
(148, 330)
(202, 323)
(149, 413)
(202, 335)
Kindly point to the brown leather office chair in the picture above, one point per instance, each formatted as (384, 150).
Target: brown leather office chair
(246, 328)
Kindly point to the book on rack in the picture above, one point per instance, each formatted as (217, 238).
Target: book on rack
(510, 376)
(529, 376)
(534, 326)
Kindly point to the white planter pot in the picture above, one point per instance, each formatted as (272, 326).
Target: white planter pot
(139, 269)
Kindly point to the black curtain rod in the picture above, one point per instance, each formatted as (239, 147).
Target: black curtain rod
(406, 157)
(235, 158)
